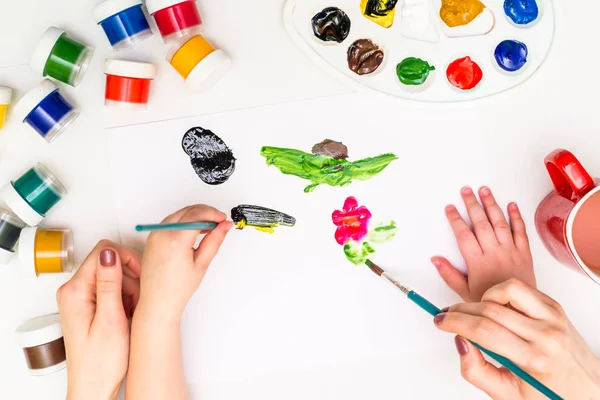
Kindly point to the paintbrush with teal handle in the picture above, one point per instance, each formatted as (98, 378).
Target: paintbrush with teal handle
(182, 226)
(433, 310)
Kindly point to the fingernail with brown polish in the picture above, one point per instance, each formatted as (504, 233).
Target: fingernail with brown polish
(108, 258)
(445, 309)
(461, 346)
(439, 318)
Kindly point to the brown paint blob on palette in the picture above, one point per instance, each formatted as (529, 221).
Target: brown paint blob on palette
(364, 57)
(586, 232)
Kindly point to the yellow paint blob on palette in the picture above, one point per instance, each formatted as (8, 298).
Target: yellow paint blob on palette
(425, 50)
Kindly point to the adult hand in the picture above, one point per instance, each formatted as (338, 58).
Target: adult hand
(532, 330)
(173, 269)
(94, 307)
(493, 249)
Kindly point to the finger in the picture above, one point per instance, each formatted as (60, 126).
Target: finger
(210, 244)
(87, 270)
(109, 280)
(127, 305)
(176, 216)
(524, 327)
(131, 288)
(498, 383)
(523, 298)
(519, 230)
(481, 225)
(186, 239)
(453, 277)
(486, 333)
(495, 216)
(131, 261)
(466, 240)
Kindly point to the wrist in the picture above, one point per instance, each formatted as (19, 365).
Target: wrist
(76, 393)
(148, 313)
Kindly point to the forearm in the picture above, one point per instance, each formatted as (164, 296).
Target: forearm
(156, 361)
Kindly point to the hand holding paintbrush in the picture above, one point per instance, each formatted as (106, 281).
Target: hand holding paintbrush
(535, 333)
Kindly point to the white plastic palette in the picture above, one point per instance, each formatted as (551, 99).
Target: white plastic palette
(537, 37)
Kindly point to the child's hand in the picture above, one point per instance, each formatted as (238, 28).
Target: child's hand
(532, 330)
(172, 268)
(494, 250)
(94, 307)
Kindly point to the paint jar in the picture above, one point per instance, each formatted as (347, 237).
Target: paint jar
(128, 83)
(60, 57)
(46, 110)
(43, 345)
(123, 21)
(199, 63)
(10, 230)
(175, 18)
(5, 96)
(45, 251)
(32, 195)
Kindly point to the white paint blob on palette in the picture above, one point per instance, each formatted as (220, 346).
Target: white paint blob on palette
(418, 31)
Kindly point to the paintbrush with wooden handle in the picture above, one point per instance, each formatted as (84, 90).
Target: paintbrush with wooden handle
(433, 310)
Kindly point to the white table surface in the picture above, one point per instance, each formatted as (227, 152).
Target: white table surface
(512, 132)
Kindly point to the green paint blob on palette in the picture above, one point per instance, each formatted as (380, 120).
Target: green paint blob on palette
(415, 73)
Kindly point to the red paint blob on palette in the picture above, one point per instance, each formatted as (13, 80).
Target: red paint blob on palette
(464, 73)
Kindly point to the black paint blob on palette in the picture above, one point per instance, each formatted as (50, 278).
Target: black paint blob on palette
(211, 159)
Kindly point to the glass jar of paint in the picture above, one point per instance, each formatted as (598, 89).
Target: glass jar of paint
(199, 63)
(123, 21)
(45, 251)
(46, 111)
(128, 83)
(60, 57)
(5, 96)
(43, 346)
(175, 18)
(10, 230)
(32, 195)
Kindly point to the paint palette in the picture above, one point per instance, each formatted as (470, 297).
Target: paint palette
(419, 48)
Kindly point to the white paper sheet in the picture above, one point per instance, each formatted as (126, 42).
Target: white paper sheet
(291, 299)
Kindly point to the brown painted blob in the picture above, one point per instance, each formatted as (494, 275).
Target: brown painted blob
(364, 57)
(331, 148)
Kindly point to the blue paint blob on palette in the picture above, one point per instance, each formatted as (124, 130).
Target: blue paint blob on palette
(521, 12)
(511, 55)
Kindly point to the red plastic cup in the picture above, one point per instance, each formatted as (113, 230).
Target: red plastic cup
(175, 18)
(128, 83)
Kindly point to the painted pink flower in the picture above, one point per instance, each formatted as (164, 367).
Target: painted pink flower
(351, 222)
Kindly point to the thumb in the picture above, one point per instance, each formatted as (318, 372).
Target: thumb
(498, 383)
(453, 277)
(109, 280)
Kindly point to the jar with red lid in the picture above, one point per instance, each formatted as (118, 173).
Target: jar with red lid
(175, 18)
(128, 83)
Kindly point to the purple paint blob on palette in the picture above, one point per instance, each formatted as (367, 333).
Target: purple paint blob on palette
(396, 47)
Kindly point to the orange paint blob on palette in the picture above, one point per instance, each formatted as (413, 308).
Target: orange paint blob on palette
(394, 47)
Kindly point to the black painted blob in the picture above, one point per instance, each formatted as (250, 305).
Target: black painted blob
(331, 25)
(212, 160)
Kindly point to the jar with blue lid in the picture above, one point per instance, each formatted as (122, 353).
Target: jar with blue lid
(123, 21)
(46, 111)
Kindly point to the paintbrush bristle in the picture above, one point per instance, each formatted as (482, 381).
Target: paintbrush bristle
(374, 267)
